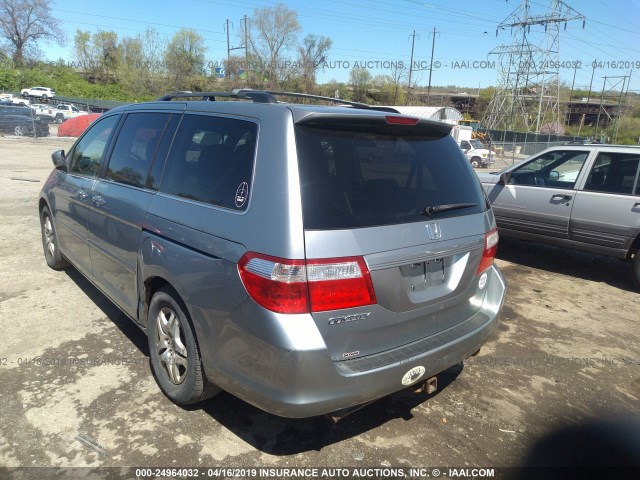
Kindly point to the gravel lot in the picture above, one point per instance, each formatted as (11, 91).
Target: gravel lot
(568, 350)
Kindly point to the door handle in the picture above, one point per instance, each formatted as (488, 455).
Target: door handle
(81, 195)
(98, 201)
(561, 196)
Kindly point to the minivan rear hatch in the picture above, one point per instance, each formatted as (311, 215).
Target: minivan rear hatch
(396, 192)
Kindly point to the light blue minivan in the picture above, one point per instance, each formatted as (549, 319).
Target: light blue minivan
(306, 258)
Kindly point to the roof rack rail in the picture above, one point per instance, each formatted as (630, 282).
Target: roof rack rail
(334, 100)
(319, 97)
(266, 96)
(255, 95)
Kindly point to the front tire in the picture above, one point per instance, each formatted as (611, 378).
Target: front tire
(52, 253)
(19, 131)
(475, 162)
(173, 350)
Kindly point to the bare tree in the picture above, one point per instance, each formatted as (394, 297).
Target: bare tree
(153, 67)
(23, 23)
(312, 54)
(398, 73)
(272, 33)
(185, 57)
(98, 54)
(360, 79)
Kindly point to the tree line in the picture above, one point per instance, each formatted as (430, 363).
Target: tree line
(272, 56)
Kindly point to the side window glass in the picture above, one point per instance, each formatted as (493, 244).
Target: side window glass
(211, 161)
(614, 173)
(557, 169)
(135, 147)
(86, 156)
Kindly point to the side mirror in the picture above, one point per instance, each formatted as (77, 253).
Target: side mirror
(504, 178)
(554, 175)
(58, 160)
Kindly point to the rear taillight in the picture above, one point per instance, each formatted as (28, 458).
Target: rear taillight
(298, 286)
(490, 249)
(338, 283)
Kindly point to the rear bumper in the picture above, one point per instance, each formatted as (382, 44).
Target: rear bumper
(289, 372)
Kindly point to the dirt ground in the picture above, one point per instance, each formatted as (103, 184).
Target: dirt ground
(76, 389)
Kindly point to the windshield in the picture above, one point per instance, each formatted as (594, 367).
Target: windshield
(373, 177)
(476, 143)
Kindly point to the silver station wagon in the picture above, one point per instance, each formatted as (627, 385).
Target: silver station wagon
(306, 258)
(581, 197)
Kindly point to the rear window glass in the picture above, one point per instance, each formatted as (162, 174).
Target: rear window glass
(373, 177)
(211, 161)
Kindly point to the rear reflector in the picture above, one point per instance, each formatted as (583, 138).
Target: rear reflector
(397, 120)
(490, 249)
(296, 286)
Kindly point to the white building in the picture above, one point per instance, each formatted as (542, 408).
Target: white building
(448, 115)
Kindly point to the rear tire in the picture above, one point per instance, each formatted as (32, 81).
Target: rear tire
(635, 269)
(173, 350)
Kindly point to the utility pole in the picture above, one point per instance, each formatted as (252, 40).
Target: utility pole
(230, 48)
(246, 42)
(228, 44)
(433, 46)
(413, 41)
(246, 51)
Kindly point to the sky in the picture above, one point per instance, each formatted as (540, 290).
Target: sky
(377, 33)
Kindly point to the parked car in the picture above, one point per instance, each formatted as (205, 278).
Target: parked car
(44, 111)
(66, 111)
(21, 121)
(477, 154)
(40, 92)
(10, 99)
(580, 197)
(307, 259)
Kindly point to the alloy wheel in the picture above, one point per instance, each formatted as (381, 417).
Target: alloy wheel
(170, 345)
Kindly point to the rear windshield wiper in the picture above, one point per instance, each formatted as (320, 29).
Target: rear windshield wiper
(445, 208)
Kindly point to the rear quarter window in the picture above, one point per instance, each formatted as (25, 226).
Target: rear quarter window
(211, 161)
(363, 178)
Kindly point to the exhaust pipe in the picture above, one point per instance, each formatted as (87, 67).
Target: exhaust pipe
(429, 386)
(336, 416)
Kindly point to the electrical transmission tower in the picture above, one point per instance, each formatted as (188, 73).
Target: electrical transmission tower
(528, 93)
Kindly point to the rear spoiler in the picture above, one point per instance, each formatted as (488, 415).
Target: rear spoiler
(375, 122)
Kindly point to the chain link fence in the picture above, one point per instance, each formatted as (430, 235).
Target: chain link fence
(24, 121)
(511, 147)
